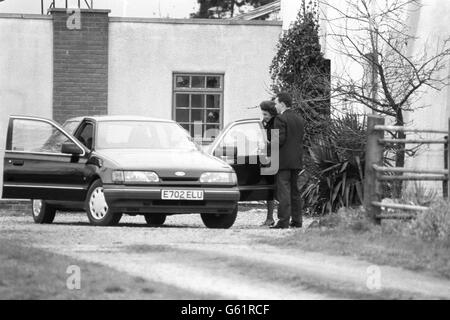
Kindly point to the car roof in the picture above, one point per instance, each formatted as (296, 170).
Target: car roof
(250, 119)
(118, 118)
(242, 121)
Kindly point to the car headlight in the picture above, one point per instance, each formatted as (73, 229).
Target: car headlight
(134, 177)
(218, 177)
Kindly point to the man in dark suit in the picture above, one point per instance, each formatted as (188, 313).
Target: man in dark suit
(290, 127)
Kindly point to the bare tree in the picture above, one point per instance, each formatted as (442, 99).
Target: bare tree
(374, 36)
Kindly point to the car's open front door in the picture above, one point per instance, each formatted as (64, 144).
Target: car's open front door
(35, 166)
(241, 145)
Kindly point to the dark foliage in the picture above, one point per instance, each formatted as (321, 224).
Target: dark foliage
(335, 166)
(300, 68)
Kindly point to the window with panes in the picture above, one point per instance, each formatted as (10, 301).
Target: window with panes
(198, 103)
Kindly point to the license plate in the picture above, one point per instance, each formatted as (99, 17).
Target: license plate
(182, 194)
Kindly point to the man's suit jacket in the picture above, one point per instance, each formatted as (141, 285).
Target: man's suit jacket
(291, 130)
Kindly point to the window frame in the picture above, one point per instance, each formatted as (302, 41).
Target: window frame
(8, 147)
(81, 127)
(220, 143)
(217, 142)
(205, 91)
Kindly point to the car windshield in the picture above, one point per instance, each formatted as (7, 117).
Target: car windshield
(142, 135)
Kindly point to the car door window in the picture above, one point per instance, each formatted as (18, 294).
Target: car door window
(70, 126)
(36, 136)
(86, 135)
(248, 138)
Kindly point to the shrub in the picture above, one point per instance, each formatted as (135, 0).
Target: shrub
(335, 166)
(346, 218)
(300, 68)
(434, 224)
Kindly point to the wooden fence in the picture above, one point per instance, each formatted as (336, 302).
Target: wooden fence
(376, 173)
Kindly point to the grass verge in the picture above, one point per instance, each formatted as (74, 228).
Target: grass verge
(393, 243)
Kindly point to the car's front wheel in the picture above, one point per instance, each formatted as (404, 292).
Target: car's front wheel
(97, 209)
(43, 213)
(219, 221)
(155, 220)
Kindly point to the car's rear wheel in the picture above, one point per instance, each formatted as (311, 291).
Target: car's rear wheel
(219, 221)
(43, 213)
(155, 219)
(97, 209)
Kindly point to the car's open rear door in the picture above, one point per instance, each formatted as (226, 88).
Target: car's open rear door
(35, 167)
(240, 144)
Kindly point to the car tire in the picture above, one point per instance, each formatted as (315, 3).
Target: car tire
(155, 219)
(219, 221)
(43, 213)
(97, 209)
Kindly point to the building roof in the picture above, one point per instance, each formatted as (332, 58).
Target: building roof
(260, 11)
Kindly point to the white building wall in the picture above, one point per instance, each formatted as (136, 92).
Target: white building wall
(144, 53)
(431, 26)
(26, 64)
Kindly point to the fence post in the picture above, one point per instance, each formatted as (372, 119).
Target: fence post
(374, 155)
(446, 159)
(448, 162)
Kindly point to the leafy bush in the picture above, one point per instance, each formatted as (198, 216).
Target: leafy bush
(300, 68)
(434, 224)
(335, 166)
(299, 64)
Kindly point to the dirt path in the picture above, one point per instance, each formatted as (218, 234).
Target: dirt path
(221, 263)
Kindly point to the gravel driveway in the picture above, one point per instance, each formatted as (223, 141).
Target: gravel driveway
(222, 263)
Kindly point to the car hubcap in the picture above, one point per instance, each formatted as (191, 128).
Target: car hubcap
(97, 203)
(37, 207)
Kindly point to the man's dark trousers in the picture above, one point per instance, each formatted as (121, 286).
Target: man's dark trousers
(288, 194)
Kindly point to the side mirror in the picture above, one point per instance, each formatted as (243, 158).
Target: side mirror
(71, 148)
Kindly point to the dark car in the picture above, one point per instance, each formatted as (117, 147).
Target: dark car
(115, 165)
